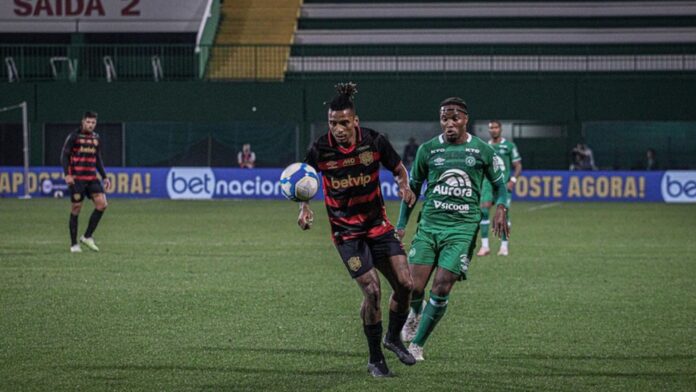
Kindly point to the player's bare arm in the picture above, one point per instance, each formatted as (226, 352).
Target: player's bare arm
(516, 174)
(500, 225)
(405, 192)
(306, 217)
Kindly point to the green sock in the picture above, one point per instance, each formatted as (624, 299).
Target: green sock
(485, 222)
(436, 308)
(417, 303)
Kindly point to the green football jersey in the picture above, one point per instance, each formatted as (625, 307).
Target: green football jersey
(454, 173)
(508, 152)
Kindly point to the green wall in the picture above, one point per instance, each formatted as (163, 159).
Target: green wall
(566, 99)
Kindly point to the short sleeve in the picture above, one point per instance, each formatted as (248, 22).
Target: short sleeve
(312, 157)
(388, 156)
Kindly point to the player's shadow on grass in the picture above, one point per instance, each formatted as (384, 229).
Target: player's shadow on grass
(222, 369)
(283, 351)
(611, 357)
(548, 365)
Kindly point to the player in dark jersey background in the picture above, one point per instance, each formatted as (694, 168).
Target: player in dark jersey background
(81, 159)
(349, 159)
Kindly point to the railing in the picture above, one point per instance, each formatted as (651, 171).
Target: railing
(167, 62)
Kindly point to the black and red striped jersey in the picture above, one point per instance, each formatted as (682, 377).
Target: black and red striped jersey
(350, 180)
(81, 156)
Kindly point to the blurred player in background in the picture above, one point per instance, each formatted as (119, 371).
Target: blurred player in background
(349, 159)
(81, 159)
(453, 164)
(511, 157)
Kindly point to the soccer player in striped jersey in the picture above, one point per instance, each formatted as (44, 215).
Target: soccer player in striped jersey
(81, 159)
(453, 164)
(507, 151)
(349, 157)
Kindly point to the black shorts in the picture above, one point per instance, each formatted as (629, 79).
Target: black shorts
(80, 189)
(362, 254)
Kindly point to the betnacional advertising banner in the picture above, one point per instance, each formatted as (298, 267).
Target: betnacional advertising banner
(202, 183)
(100, 16)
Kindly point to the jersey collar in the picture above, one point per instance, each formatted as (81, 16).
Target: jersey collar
(442, 138)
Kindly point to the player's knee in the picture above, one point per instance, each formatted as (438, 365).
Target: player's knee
(372, 294)
(75, 209)
(441, 289)
(406, 285)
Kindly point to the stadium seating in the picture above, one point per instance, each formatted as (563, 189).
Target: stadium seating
(253, 39)
(563, 36)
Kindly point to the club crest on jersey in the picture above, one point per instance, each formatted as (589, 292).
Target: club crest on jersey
(354, 263)
(470, 161)
(366, 158)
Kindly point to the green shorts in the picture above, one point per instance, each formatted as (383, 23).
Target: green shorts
(489, 195)
(450, 248)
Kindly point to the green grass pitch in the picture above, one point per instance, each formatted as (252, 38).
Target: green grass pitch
(231, 295)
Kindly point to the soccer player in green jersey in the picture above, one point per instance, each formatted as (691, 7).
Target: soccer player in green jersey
(454, 165)
(511, 157)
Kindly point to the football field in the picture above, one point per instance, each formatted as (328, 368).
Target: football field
(231, 295)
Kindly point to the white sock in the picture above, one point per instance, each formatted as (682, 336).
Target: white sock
(484, 242)
(503, 244)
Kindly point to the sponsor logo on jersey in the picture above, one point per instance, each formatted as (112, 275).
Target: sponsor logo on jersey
(87, 150)
(472, 150)
(679, 187)
(363, 148)
(437, 150)
(350, 181)
(453, 182)
(470, 161)
(439, 161)
(366, 158)
(331, 165)
(354, 263)
(440, 205)
(328, 154)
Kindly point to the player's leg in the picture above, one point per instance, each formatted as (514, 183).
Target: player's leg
(99, 199)
(486, 203)
(76, 197)
(358, 260)
(504, 239)
(421, 259)
(456, 249)
(395, 270)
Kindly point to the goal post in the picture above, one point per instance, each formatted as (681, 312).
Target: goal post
(25, 142)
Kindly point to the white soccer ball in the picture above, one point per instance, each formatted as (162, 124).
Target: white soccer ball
(299, 182)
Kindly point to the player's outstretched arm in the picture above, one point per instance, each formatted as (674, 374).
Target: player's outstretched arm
(405, 192)
(500, 225)
(306, 217)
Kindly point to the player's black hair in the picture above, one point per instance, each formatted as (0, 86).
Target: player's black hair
(455, 101)
(90, 115)
(496, 122)
(344, 99)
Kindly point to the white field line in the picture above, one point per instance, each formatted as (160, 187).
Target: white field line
(544, 206)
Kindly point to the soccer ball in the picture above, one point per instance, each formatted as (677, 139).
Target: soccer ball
(299, 182)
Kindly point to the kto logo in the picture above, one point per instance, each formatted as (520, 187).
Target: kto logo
(679, 187)
(190, 183)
